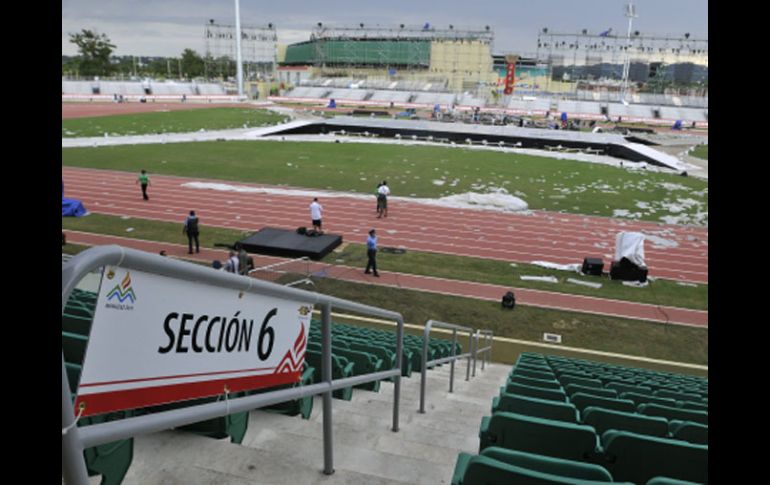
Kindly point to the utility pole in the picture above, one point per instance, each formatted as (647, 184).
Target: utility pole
(238, 59)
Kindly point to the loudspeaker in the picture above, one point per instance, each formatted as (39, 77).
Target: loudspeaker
(592, 266)
(625, 270)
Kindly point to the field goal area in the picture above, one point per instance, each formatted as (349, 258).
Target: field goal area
(287, 273)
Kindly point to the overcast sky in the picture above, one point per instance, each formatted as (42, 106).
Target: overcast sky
(167, 27)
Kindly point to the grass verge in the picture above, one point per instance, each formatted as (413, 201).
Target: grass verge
(169, 122)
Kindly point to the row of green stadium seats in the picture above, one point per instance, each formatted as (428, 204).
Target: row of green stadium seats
(653, 389)
(626, 455)
(363, 363)
(500, 466)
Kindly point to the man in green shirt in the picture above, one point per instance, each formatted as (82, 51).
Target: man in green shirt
(144, 179)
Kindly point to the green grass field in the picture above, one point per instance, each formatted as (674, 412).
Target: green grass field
(701, 151)
(169, 122)
(419, 171)
(661, 292)
(596, 332)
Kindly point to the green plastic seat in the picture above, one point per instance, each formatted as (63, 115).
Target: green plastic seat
(566, 379)
(523, 371)
(669, 481)
(594, 391)
(499, 466)
(606, 419)
(110, 460)
(645, 399)
(74, 347)
(530, 406)
(622, 387)
(689, 431)
(638, 458)
(679, 396)
(76, 324)
(340, 369)
(531, 391)
(582, 400)
(531, 381)
(674, 413)
(536, 435)
(365, 363)
(694, 406)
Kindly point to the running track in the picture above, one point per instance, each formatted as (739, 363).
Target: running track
(540, 236)
(543, 299)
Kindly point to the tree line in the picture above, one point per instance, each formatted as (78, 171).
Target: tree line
(95, 59)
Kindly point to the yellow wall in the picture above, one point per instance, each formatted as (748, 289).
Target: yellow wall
(462, 62)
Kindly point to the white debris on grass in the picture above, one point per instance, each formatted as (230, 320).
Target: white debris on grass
(575, 267)
(439, 182)
(636, 284)
(545, 279)
(129, 229)
(584, 283)
(685, 283)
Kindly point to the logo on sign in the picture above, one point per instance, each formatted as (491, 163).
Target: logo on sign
(122, 292)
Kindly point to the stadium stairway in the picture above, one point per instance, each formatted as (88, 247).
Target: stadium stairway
(280, 449)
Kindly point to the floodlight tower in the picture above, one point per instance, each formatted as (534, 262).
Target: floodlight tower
(631, 14)
(238, 58)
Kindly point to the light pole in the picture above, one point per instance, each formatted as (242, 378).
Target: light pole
(631, 14)
(238, 59)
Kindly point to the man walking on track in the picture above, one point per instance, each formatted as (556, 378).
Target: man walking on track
(144, 179)
(191, 229)
(315, 215)
(371, 253)
(382, 199)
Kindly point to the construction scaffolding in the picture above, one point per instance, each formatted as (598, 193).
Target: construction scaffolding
(601, 55)
(259, 47)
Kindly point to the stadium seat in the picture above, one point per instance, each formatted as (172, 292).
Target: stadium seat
(689, 431)
(523, 371)
(531, 391)
(365, 363)
(582, 400)
(594, 391)
(233, 425)
(606, 419)
(500, 466)
(679, 396)
(539, 408)
(645, 399)
(566, 379)
(340, 368)
(669, 481)
(531, 381)
(695, 406)
(622, 387)
(638, 458)
(536, 435)
(110, 460)
(674, 413)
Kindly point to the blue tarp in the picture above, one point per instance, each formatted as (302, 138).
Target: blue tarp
(72, 208)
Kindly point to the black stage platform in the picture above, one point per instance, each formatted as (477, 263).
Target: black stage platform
(287, 243)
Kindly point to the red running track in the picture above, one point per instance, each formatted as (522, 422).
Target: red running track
(538, 298)
(539, 236)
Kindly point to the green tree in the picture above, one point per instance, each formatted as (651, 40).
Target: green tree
(192, 64)
(95, 50)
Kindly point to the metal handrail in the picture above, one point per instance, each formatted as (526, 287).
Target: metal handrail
(452, 358)
(75, 440)
(486, 351)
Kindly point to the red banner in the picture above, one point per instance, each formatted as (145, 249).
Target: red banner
(509, 78)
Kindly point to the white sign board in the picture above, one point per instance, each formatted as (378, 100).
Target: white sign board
(157, 340)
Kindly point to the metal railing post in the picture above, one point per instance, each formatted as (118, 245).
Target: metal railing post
(326, 375)
(397, 378)
(73, 463)
(452, 365)
(424, 366)
(475, 350)
(470, 356)
(484, 354)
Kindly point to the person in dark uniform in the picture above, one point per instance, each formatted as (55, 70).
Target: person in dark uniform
(371, 253)
(191, 229)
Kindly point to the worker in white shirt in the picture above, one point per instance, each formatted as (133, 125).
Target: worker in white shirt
(315, 215)
(382, 199)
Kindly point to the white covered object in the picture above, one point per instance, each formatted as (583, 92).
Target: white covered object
(630, 245)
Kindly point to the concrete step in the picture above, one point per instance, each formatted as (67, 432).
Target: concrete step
(176, 457)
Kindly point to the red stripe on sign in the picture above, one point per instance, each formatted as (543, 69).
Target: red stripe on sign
(177, 376)
(106, 402)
